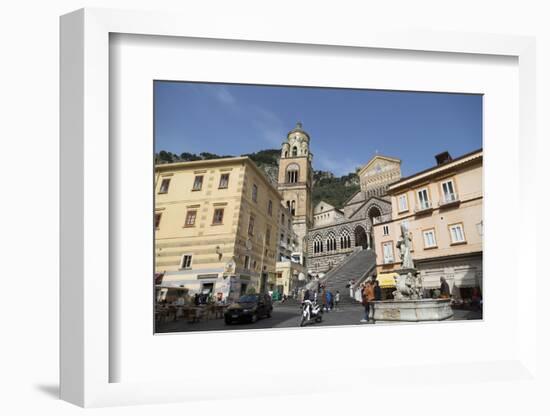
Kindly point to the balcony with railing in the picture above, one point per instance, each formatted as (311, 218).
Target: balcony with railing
(423, 207)
(449, 200)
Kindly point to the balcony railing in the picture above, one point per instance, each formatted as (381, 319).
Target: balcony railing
(449, 199)
(381, 219)
(424, 206)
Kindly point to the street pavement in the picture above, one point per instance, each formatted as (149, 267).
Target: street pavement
(287, 315)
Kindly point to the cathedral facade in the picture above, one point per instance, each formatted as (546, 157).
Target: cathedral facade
(337, 232)
(325, 234)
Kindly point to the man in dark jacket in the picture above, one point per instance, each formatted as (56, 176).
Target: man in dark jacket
(377, 291)
(306, 295)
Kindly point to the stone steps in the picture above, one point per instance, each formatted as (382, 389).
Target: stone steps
(355, 267)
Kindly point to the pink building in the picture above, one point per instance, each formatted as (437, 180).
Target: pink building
(442, 208)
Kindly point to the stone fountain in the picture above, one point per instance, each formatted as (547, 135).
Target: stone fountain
(407, 304)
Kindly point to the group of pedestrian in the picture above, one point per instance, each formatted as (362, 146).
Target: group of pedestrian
(370, 292)
(328, 300)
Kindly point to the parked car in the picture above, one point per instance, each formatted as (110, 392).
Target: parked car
(249, 308)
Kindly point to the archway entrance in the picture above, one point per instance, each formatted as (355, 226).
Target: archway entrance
(373, 213)
(361, 237)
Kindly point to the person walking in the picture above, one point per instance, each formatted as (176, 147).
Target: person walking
(444, 291)
(377, 290)
(368, 297)
(324, 298)
(336, 299)
(377, 297)
(329, 300)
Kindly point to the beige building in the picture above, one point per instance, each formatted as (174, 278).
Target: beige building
(442, 208)
(217, 224)
(287, 239)
(290, 272)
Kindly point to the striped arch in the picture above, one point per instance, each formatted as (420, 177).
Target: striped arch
(374, 211)
(331, 241)
(360, 236)
(345, 238)
(317, 244)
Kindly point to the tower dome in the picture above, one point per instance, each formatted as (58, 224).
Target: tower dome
(298, 133)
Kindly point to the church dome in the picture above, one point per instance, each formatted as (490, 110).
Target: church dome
(298, 131)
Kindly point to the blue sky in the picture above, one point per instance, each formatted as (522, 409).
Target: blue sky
(347, 127)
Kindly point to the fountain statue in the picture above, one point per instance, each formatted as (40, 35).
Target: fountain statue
(404, 245)
(408, 303)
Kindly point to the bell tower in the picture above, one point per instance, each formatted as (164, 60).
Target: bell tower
(295, 181)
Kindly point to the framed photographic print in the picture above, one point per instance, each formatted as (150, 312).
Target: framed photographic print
(236, 207)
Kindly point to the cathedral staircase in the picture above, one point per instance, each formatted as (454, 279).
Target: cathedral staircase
(357, 266)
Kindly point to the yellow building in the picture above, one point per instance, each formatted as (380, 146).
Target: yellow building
(442, 208)
(291, 276)
(216, 226)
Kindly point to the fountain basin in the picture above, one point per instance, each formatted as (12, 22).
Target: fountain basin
(413, 310)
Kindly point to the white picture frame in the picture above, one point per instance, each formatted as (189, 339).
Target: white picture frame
(86, 355)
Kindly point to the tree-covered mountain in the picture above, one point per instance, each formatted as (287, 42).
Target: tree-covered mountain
(326, 186)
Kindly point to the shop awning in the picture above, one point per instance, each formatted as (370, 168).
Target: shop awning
(387, 280)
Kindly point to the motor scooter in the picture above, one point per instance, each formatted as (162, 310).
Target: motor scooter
(311, 311)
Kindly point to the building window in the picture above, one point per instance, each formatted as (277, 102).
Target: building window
(186, 261)
(293, 207)
(224, 181)
(429, 239)
(255, 193)
(246, 262)
(292, 173)
(386, 230)
(282, 219)
(289, 224)
(270, 208)
(457, 233)
(251, 225)
(218, 216)
(282, 238)
(423, 199)
(164, 185)
(345, 240)
(402, 203)
(267, 235)
(157, 219)
(295, 151)
(197, 184)
(190, 218)
(449, 194)
(318, 245)
(331, 242)
(387, 250)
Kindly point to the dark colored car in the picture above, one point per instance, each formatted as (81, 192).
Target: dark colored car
(249, 308)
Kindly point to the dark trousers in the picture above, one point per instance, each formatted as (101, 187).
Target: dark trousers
(367, 310)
